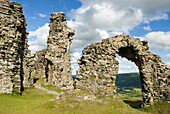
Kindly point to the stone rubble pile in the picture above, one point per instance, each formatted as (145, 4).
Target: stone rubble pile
(99, 67)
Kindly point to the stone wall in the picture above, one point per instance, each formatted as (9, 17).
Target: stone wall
(35, 67)
(13, 44)
(99, 67)
(53, 63)
(59, 41)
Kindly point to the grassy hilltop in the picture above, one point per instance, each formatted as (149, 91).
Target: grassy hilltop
(35, 101)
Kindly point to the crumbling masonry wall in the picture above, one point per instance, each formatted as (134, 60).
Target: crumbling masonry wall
(53, 63)
(35, 68)
(99, 67)
(59, 41)
(13, 46)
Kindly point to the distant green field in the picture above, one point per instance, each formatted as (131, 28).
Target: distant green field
(128, 85)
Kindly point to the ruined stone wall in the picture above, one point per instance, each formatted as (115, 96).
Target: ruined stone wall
(53, 63)
(13, 44)
(59, 41)
(35, 67)
(99, 67)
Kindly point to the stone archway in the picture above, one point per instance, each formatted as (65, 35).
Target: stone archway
(99, 67)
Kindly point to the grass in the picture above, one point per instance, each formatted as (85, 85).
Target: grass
(131, 96)
(158, 108)
(35, 101)
(92, 77)
(74, 104)
(29, 101)
(53, 88)
(130, 92)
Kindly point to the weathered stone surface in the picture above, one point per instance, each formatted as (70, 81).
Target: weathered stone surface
(52, 63)
(99, 67)
(35, 67)
(13, 46)
(59, 41)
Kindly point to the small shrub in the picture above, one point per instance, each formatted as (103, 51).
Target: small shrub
(92, 77)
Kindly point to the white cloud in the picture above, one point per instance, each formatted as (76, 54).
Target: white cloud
(126, 66)
(95, 18)
(32, 18)
(158, 40)
(42, 15)
(167, 56)
(41, 35)
(148, 28)
(160, 17)
(74, 57)
(168, 64)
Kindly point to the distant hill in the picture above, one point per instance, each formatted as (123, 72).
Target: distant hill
(126, 80)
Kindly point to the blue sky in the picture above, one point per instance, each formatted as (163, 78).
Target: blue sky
(94, 20)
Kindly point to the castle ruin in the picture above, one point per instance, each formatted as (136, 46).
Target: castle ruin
(20, 68)
(99, 67)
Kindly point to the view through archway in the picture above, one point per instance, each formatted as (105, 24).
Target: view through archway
(128, 83)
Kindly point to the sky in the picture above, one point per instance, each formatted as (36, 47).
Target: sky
(94, 20)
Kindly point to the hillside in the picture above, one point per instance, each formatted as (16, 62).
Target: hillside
(131, 80)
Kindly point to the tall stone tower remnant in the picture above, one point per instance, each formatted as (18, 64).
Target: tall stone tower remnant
(13, 44)
(58, 58)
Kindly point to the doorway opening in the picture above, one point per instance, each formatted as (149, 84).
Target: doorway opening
(128, 82)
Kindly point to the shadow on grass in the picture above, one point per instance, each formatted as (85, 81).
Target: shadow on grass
(133, 104)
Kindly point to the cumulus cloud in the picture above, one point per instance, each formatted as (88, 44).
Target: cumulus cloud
(148, 28)
(126, 66)
(74, 57)
(38, 38)
(42, 15)
(95, 18)
(158, 40)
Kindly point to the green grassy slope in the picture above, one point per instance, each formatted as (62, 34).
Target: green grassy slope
(34, 101)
